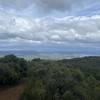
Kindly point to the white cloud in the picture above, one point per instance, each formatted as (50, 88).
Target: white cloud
(66, 29)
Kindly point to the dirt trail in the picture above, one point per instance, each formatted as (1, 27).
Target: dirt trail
(12, 93)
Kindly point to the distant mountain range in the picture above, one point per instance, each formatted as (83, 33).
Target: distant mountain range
(30, 54)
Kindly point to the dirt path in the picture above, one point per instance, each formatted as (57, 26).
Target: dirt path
(12, 93)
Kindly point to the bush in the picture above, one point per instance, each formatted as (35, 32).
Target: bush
(62, 80)
(12, 69)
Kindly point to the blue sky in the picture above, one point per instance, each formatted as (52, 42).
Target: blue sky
(63, 25)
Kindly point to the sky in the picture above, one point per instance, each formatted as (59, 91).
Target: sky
(50, 25)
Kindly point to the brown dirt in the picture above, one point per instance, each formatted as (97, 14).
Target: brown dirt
(12, 93)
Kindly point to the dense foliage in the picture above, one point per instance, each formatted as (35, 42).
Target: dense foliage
(12, 69)
(74, 79)
(67, 79)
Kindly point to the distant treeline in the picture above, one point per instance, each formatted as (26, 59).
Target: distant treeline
(67, 79)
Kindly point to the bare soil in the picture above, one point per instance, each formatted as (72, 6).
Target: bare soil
(12, 93)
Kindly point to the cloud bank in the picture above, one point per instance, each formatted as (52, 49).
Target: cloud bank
(68, 29)
(48, 5)
(57, 22)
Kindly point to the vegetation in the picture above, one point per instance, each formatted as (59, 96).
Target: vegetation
(74, 79)
(12, 69)
(67, 79)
